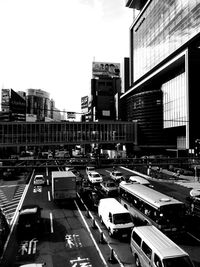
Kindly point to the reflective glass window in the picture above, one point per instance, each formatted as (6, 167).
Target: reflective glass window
(160, 30)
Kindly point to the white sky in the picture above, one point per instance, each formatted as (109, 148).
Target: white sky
(50, 44)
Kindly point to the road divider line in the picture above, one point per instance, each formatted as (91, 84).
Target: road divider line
(49, 196)
(103, 238)
(51, 221)
(90, 233)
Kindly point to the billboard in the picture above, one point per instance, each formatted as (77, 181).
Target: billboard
(108, 69)
(84, 104)
(71, 115)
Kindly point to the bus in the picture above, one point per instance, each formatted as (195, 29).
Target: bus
(148, 206)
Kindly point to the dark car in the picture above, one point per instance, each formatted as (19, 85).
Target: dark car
(94, 197)
(109, 188)
(30, 223)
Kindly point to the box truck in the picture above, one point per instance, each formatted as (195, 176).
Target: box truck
(63, 185)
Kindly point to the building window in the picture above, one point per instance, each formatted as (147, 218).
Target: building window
(174, 102)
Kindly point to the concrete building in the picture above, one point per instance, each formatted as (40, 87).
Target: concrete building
(13, 106)
(105, 84)
(39, 104)
(163, 95)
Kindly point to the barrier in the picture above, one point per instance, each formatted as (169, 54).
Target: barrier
(112, 258)
(101, 240)
(94, 224)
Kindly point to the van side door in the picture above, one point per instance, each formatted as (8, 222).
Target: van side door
(146, 255)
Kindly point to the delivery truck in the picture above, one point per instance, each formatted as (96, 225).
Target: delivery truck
(63, 185)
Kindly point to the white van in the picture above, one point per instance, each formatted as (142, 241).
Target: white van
(151, 247)
(116, 218)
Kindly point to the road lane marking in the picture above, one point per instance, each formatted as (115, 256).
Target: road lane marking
(49, 196)
(51, 221)
(90, 233)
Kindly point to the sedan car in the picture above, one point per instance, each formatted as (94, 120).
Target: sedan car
(30, 223)
(117, 176)
(39, 179)
(89, 169)
(109, 188)
(94, 177)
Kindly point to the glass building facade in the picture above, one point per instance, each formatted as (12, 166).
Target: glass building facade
(57, 133)
(174, 102)
(164, 62)
(162, 28)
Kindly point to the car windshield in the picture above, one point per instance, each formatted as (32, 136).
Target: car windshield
(178, 261)
(91, 169)
(118, 174)
(27, 218)
(121, 218)
(39, 178)
(110, 185)
(96, 175)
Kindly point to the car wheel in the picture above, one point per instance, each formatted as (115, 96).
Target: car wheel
(137, 261)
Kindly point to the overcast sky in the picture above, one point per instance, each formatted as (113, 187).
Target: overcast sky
(50, 44)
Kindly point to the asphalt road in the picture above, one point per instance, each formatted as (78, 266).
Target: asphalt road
(70, 238)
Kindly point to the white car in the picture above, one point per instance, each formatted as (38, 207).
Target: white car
(195, 192)
(90, 169)
(94, 177)
(139, 180)
(39, 179)
(116, 175)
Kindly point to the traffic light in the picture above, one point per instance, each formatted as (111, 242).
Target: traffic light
(197, 148)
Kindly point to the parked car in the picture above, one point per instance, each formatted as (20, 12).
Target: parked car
(109, 188)
(117, 176)
(94, 177)
(30, 222)
(39, 179)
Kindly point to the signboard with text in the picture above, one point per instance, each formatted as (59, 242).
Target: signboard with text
(105, 69)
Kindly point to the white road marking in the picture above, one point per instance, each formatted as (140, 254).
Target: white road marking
(49, 196)
(51, 221)
(90, 233)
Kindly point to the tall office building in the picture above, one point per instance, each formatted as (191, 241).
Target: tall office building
(106, 83)
(13, 106)
(163, 93)
(39, 104)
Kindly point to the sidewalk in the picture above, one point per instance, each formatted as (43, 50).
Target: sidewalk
(183, 180)
(186, 181)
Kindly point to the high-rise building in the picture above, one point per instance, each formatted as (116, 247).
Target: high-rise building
(106, 83)
(164, 65)
(13, 106)
(39, 104)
